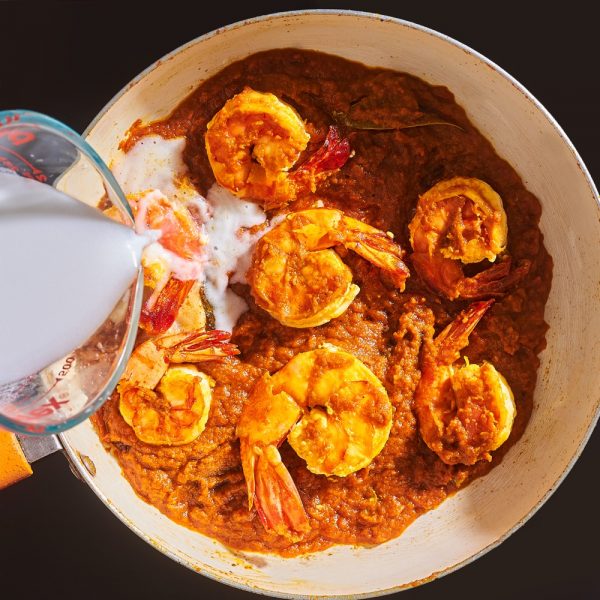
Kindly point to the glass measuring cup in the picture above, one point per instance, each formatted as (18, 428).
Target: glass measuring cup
(69, 390)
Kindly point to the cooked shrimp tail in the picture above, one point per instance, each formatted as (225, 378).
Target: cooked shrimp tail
(380, 250)
(200, 346)
(446, 276)
(331, 156)
(158, 314)
(264, 424)
(455, 336)
(495, 281)
(278, 502)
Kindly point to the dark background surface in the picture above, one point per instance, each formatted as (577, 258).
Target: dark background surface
(68, 59)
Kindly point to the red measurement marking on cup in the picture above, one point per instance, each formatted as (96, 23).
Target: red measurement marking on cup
(13, 138)
(6, 162)
(17, 137)
(9, 119)
(28, 170)
(35, 428)
(49, 407)
(21, 158)
(64, 371)
(45, 410)
(53, 404)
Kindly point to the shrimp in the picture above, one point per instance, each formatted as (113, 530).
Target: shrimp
(335, 414)
(169, 405)
(172, 264)
(464, 412)
(300, 281)
(254, 141)
(462, 220)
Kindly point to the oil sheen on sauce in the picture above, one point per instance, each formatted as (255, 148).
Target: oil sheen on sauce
(63, 267)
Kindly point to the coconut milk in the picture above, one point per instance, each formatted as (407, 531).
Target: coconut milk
(63, 268)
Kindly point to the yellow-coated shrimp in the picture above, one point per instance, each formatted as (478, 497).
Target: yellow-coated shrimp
(169, 405)
(335, 414)
(465, 412)
(462, 220)
(300, 281)
(255, 140)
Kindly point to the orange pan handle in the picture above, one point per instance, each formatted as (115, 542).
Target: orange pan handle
(14, 466)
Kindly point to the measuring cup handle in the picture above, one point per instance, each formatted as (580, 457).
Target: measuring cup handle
(14, 466)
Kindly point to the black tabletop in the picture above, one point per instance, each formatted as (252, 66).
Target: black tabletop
(67, 60)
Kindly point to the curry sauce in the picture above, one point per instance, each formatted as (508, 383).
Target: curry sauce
(201, 484)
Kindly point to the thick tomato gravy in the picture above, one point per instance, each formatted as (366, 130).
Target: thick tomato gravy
(201, 485)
